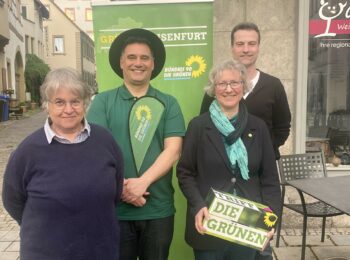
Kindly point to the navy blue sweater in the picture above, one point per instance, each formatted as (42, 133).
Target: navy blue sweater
(64, 197)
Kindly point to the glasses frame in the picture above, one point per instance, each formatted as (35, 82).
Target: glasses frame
(233, 85)
(60, 104)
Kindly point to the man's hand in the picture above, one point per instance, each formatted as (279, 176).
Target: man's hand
(140, 202)
(198, 219)
(134, 191)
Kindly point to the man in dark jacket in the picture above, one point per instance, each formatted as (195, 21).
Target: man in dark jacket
(267, 98)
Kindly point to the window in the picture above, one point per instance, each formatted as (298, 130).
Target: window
(88, 14)
(48, 9)
(26, 43)
(32, 45)
(40, 49)
(58, 44)
(328, 82)
(70, 12)
(24, 11)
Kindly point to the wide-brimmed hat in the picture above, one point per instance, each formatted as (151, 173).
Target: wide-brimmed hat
(118, 45)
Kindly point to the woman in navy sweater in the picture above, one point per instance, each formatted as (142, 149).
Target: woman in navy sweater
(63, 181)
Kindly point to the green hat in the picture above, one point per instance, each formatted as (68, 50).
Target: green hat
(120, 42)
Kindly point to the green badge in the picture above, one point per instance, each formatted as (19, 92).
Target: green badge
(144, 118)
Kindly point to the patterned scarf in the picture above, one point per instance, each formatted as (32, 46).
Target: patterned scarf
(235, 149)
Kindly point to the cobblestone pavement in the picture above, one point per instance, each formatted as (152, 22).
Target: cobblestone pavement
(12, 132)
(336, 245)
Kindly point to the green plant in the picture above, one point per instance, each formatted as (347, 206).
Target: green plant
(35, 72)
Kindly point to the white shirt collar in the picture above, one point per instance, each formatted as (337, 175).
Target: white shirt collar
(252, 84)
(50, 134)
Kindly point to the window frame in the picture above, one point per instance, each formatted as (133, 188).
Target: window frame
(54, 38)
(87, 11)
(68, 14)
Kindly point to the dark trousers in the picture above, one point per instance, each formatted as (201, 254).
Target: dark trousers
(265, 255)
(146, 239)
(232, 252)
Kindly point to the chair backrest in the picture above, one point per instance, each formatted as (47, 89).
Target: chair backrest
(302, 166)
(339, 140)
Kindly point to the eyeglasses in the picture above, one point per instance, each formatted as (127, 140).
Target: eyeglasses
(233, 84)
(61, 104)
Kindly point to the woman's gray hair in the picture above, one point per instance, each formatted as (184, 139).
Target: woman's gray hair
(217, 71)
(67, 78)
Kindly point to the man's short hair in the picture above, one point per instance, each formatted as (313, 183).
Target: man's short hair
(245, 26)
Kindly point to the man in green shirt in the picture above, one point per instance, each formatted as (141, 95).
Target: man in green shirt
(147, 212)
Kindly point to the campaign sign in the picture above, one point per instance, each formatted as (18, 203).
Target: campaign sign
(239, 220)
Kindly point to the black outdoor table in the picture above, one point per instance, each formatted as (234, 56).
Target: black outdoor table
(334, 191)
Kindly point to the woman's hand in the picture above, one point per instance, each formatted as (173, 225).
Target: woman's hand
(198, 219)
(270, 234)
(270, 237)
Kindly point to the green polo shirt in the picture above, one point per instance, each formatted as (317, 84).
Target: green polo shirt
(111, 110)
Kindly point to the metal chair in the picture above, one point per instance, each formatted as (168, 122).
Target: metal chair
(303, 166)
(339, 141)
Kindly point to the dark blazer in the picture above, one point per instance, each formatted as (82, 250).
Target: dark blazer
(204, 164)
(268, 101)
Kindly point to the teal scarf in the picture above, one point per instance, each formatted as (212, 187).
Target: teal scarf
(236, 151)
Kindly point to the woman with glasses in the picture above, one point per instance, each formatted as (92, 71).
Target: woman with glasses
(63, 181)
(229, 150)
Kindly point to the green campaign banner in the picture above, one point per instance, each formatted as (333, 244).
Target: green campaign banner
(144, 118)
(186, 29)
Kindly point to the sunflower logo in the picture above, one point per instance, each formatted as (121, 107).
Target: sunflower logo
(270, 219)
(143, 109)
(200, 64)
